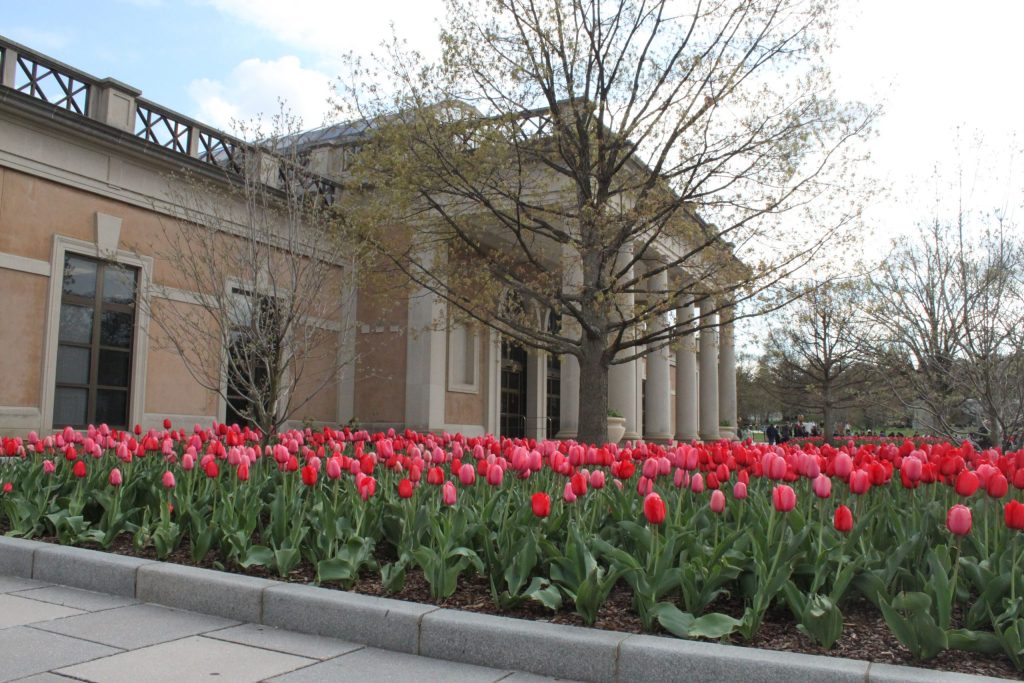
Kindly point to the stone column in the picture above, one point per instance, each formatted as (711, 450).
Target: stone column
(569, 401)
(622, 377)
(686, 379)
(425, 359)
(727, 375)
(708, 376)
(536, 388)
(657, 418)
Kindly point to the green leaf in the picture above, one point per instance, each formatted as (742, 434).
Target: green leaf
(715, 625)
(257, 555)
(673, 619)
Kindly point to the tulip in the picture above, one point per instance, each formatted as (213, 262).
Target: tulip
(654, 509)
(541, 504)
(697, 483)
(367, 486)
(495, 474)
(967, 483)
(115, 478)
(822, 486)
(211, 468)
(783, 498)
(997, 485)
(167, 423)
(843, 520)
(49, 467)
(1014, 514)
(8, 487)
(912, 466)
(718, 501)
(958, 520)
(309, 475)
(567, 493)
(467, 475)
(168, 480)
(79, 469)
(448, 494)
(405, 488)
(597, 479)
(860, 482)
(334, 468)
(579, 483)
(243, 471)
(739, 491)
(843, 465)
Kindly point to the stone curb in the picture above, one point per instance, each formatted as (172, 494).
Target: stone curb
(585, 654)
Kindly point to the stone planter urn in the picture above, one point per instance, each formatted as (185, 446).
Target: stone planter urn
(616, 428)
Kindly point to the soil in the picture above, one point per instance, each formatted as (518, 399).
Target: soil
(865, 634)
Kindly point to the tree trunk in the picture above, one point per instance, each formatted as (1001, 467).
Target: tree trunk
(593, 393)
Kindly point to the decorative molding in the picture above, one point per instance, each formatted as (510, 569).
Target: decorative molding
(108, 233)
(24, 264)
(20, 419)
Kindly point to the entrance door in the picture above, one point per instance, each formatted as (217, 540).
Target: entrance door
(513, 390)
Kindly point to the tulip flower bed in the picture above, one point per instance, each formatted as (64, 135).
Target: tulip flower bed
(707, 539)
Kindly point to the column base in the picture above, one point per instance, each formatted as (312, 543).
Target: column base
(727, 434)
(711, 436)
(565, 435)
(687, 438)
(657, 438)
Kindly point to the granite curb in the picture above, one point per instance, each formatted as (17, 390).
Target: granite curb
(541, 648)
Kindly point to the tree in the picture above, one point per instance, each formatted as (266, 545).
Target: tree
(565, 155)
(260, 297)
(948, 305)
(814, 359)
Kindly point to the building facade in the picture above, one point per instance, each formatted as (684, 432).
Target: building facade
(86, 198)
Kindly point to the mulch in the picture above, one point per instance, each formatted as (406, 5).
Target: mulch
(865, 634)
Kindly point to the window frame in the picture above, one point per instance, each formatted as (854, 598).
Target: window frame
(457, 358)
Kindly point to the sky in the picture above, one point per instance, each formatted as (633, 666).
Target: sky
(944, 72)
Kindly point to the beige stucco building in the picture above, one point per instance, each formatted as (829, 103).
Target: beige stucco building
(85, 198)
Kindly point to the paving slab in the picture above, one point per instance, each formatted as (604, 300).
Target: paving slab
(289, 642)
(383, 666)
(87, 601)
(10, 584)
(46, 678)
(136, 625)
(522, 677)
(189, 660)
(15, 611)
(25, 651)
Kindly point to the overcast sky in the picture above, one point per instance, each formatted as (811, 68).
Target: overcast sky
(946, 73)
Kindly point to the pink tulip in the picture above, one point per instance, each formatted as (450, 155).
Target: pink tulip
(822, 486)
(168, 480)
(49, 467)
(717, 501)
(739, 491)
(448, 493)
(697, 483)
(467, 475)
(115, 477)
(958, 520)
(567, 494)
(597, 479)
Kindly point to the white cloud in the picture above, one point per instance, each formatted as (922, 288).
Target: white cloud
(330, 28)
(253, 89)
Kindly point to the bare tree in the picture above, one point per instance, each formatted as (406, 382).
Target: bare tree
(261, 293)
(565, 152)
(949, 308)
(814, 357)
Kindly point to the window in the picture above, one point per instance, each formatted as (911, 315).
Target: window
(463, 364)
(256, 348)
(95, 343)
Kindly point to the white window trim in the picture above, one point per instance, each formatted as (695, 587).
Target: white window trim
(140, 344)
(453, 383)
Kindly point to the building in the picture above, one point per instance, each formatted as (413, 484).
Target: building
(85, 194)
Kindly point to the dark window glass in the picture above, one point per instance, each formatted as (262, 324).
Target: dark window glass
(116, 328)
(118, 285)
(69, 407)
(80, 276)
(94, 360)
(111, 406)
(72, 365)
(75, 324)
(115, 368)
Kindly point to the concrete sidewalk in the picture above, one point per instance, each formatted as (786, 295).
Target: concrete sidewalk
(50, 632)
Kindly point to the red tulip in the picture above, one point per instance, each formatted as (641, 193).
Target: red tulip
(967, 483)
(843, 520)
(8, 487)
(654, 509)
(541, 504)
(367, 486)
(243, 471)
(79, 469)
(997, 486)
(309, 475)
(717, 501)
(405, 488)
(167, 423)
(579, 483)
(1014, 514)
(783, 498)
(115, 478)
(212, 469)
(958, 520)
